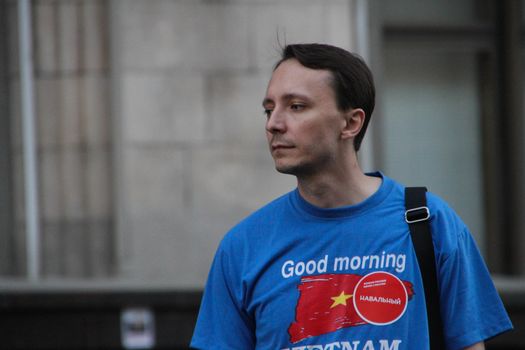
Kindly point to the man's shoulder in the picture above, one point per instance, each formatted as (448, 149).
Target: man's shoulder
(447, 227)
(442, 209)
(270, 209)
(438, 207)
(262, 217)
(446, 222)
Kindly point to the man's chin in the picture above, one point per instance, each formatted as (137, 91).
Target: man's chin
(285, 169)
(298, 170)
(291, 169)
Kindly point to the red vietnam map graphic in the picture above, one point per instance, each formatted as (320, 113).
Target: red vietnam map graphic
(326, 302)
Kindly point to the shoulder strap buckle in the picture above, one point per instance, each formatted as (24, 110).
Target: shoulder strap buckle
(417, 214)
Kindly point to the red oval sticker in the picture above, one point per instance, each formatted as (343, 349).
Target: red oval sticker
(380, 298)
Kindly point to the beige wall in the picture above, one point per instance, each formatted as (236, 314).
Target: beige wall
(190, 77)
(150, 129)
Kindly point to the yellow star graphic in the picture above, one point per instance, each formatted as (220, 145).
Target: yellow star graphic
(341, 299)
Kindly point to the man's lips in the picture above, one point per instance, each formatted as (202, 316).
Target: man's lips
(277, 146)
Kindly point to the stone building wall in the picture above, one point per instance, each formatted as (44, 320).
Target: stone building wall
(70, 58)
(191, 76)
(150, 129)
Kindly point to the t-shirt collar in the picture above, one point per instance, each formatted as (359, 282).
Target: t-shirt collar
(302, 205)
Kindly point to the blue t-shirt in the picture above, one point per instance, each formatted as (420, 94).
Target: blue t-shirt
(295, 276)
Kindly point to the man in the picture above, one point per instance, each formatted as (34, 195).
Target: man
(331, 264)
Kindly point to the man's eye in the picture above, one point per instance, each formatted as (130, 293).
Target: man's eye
(267, 112)
(297, 106)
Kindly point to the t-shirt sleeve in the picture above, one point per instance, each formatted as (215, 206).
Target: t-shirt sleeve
(471, 307)
(222, 322)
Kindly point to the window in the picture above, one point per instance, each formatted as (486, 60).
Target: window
(452, 113)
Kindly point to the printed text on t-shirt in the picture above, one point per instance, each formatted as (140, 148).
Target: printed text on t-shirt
(383, 261)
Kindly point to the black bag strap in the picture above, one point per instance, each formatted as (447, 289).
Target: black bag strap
(417, 216)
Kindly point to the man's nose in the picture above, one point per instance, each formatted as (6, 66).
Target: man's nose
(276, 122)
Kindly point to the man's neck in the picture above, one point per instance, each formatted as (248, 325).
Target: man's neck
(331, 190)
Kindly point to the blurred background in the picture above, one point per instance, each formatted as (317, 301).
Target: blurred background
(132, 138)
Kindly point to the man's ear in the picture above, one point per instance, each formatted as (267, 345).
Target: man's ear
(354, 121)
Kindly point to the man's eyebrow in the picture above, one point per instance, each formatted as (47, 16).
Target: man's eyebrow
(293, 95)
(267, 101)
(286, 97)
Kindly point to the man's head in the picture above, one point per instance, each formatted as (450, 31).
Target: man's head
(352, 80)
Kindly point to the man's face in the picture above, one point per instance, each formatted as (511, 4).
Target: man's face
(304, 124)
